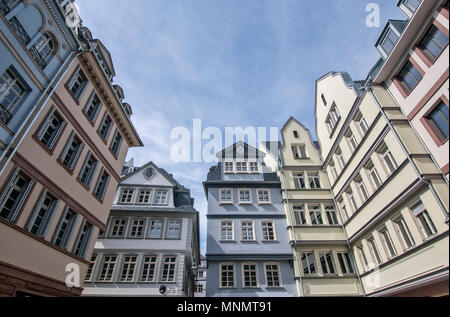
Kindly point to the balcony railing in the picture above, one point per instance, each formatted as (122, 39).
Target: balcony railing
(37, 57)
(5, 116)
(4, 7)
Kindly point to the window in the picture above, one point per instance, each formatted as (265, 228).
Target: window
(247, 230)
(424, 220)
(227, 275)
(71, 152)
(361, 123)
(12, 90)
(387, 241)
(149, 269)
(77, 84)
(346, 263)
(199, 288)
(268, 230)
(241, 167)
(331, 215)
(439, 120)
(351, 199)
(327, 263)
(245, 196)
(65, 227)
(137, 228)
(388, 159)
(128, 268)
(343, 208)
(373, 175)
(7, 5)
(374, 250)
(314, 180)
(118, 228)
(226, 231)
(263, 196)
(403, 231)
(226, 196)
(45, 47)
(333, 169)
(88, 170)
(229, 167)
(156, 229)
(308, 263)
(168, 271)
(409, 76)
(161, 197)
(92, 108)
(389, 41)
(272, 274)
(362, 188)
(107, 271)
(250, 275)
(173, 229)
(51, 129)
(295, 134)
(362, 257)
(82, 243)
(299, 180)
(332, 118)
(102, 185)
(14, 195)
(254, 167)
(144, 196)
(126, 196)
(316, 215)
(105, 127)
(40, 219)
(299, 151)
(90, 270)
(115, 145)
(299, 215)
(434, 42)
(412, 4)
(340, 158)
(351, 140)
(323, 100)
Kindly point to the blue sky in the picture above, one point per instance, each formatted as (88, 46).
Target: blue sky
(228, 62)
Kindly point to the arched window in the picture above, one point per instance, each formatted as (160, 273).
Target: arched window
(45, 46)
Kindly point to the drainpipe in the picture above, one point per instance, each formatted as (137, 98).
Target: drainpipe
(280, 168)
(53, 84)
(411, 161)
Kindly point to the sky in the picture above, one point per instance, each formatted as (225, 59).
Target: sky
(230, 63)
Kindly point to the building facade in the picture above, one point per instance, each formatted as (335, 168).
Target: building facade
(323, 262)
(248, 251)
(392, 197)
(59, 179)
(414, 69)
(151, 244)
(201, 277)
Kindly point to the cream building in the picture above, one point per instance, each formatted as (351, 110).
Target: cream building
(392, 197)
(323, 263)
(414, 69)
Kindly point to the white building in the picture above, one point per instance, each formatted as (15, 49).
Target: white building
(151, 242)
(200, 279)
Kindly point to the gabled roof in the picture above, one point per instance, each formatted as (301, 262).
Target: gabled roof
(168, 176)
(398, 25)
(314, 143)
(233, 151)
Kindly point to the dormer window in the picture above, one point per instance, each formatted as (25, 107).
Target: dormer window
(412, 4)
(102, 62)
(389, 41)
(241, 167)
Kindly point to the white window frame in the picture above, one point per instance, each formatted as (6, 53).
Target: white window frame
(113, 224)
(314, 178)
(150, 264)
(253, 167)
(315, 211)
(314, 263)
(164, 194)
(178, 222)
(330, 212)
(421, 215)
(404, 233)
(112, 263)
(297, 177)
(362, 257)
(263, 227)
(227, 170)
(158, 227)
(250, 271)
(266, 276)
(241, 167)
(227, 227)
(131, 267)
(175, 265)
(131, 224)
(233, 272)
(221, 195)
(298, 153)
(374, 252)
(347, 260)
(248, 202)
(10, 107)
(142, 192)
(263, 202)
(388, 243)
(128, 194)
(91, 268)
(298, 210)
(252, 228)
(327, 265)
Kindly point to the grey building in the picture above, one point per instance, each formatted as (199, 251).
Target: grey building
(36, 47)
(201, 278)
(248, 251)
(151, 244)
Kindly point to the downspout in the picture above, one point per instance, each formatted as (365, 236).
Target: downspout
(411, 161)
(53, 84)
(294, 251)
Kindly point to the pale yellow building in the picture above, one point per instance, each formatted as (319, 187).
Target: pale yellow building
(392, 197)
(323, 263)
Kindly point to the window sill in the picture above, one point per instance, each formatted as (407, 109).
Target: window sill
(65, 167)
(72, 95)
